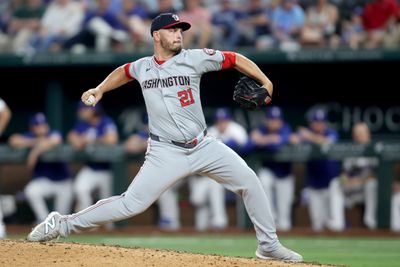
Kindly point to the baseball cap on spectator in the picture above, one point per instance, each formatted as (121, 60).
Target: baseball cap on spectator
(97, 107)
(168, 21)
(222, 114)
(319, 115)
(37, 119)
(274, 112)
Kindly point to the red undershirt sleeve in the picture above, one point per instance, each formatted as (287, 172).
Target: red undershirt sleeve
(127, 72)
(229, 60)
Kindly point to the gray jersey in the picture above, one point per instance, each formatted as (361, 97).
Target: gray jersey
(172, 91)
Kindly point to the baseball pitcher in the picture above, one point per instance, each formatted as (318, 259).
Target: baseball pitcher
(179, 145)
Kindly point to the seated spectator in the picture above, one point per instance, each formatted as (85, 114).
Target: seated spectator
(61, 20)
(356, 184)
(320, 172)
(378, 16)
(276, 177)
(49, 179)
(256, 25)
(132, 17)
(25, 24)
(164, 6)
(100, 29)
(287, 22)
(199, 36)
(320, 24)
(226, 29)
(353, 33)
(93, 127)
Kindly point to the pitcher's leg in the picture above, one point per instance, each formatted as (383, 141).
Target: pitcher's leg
(157, 174)
(226, 167)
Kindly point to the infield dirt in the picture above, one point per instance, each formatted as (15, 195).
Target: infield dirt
(22, 253)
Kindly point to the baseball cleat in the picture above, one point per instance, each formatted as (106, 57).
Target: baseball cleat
(47, 230)
(281, 253)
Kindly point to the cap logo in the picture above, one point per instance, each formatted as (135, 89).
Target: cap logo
(175, 17)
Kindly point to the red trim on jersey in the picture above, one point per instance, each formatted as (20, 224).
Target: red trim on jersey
(127, 73)
(159, 62)
(229, 60)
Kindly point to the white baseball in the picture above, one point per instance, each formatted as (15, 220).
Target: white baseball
(90, 100)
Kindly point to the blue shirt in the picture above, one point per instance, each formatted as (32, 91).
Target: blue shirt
(93, 132)
(285, 20)
(321, 172)
(55, 171)
(280, 169)
(107, 16)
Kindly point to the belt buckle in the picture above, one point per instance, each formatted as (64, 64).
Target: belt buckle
(194, 142)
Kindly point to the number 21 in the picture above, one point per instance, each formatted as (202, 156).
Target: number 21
(186, 97)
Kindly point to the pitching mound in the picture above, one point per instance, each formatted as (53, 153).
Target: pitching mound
(21, 253)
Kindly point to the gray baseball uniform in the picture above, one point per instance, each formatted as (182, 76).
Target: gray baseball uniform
(172, 95)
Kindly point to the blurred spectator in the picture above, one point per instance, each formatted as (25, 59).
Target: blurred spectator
(132, 17)
(62, 20)
(5, 116)
(92, 128)
(226, 33)
(100, 29)
(199, 36)
(207, 196)
(378, 16)
(164, 6)
(287, 22)
(395, 210)
(49, 179)
(137, 143)
(25, 24)
(356, 184)
(256, 25)
(321, 172)
(320, 24)
(352, 30)
(6, 10)
(276, 177)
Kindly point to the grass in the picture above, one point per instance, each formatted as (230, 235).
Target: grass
(357, 252)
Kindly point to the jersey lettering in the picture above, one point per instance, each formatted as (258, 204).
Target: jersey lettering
(186, 97)
(166, 82)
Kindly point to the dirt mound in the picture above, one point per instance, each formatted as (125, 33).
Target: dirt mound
(22, 253)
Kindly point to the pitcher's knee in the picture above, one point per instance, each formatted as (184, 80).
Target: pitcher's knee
(135, 205)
